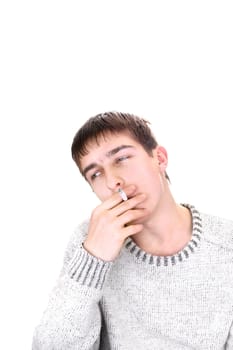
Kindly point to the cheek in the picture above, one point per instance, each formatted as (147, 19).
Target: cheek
(102, 192)
(145, 173)
(149, 181)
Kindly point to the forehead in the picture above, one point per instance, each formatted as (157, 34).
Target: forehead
(98, 148)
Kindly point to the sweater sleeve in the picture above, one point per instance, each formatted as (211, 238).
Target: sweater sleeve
(229, 343)
(72, 319)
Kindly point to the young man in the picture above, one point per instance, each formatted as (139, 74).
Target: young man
(144, 272)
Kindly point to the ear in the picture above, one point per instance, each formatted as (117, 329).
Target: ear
(160, 154)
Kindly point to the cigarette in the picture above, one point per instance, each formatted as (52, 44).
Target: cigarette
(123, 194)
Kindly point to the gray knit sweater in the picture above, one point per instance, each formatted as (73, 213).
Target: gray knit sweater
(145, 302)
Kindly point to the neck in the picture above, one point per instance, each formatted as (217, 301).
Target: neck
(167, 232)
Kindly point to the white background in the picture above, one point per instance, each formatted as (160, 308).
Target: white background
(64, 61)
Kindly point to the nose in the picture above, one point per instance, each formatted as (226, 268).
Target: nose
(114, 181)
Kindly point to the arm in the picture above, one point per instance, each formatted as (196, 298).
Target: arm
(72, 319)
(229, 343)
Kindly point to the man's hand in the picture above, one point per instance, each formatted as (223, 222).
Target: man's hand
(112, 222)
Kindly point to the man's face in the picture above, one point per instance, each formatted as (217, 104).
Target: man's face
(118, 161)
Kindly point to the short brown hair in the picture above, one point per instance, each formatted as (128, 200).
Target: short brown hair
(113, 122)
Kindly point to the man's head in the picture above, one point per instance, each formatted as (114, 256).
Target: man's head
(112, 123)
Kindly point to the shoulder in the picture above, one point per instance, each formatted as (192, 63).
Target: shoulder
(76, 239)
(218, 230)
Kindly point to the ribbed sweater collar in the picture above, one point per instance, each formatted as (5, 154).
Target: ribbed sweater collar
(180, 256)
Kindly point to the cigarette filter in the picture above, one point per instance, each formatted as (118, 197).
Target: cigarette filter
(123, 194)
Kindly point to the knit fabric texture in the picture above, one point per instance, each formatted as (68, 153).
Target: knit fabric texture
(145, 302)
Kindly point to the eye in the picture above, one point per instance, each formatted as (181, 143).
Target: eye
(121, 159)
(95, 175)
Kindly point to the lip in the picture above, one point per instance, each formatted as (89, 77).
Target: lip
(132, 194)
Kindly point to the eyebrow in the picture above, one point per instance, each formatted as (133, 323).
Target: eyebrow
(109, 154)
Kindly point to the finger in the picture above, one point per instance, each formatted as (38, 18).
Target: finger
(129, 204)
(132, 230)
(130, 216)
